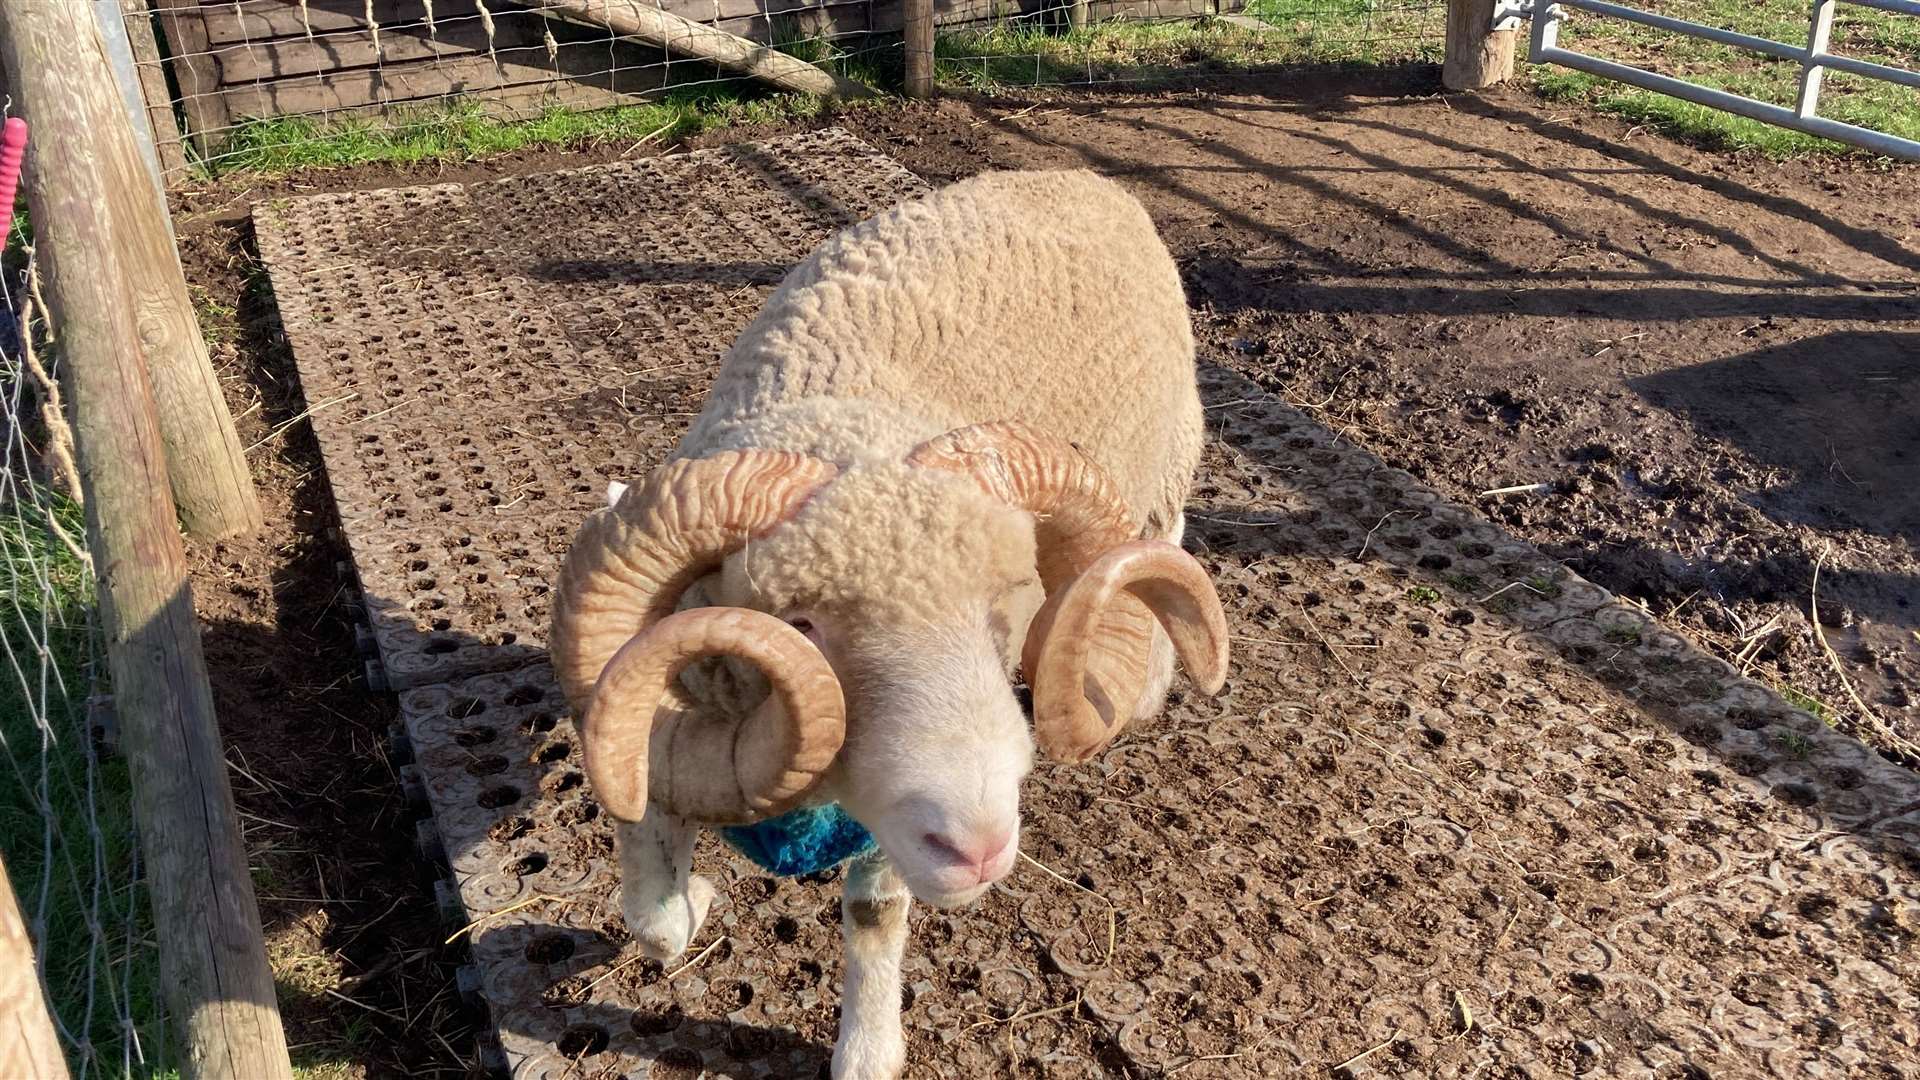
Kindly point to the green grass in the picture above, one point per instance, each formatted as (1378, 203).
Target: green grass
(1424, 595)
(1795, 744)
(217, 319)
(1359, 31)
(463, 131)
(1027, 53)
(77, 881)
(1863, 33)
(1622, 634)
(1807, 703)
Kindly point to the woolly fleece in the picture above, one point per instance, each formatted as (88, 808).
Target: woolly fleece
(1028, 296)
(1042, 297)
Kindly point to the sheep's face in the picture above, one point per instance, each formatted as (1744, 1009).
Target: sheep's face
(918, 589)
(936, 749)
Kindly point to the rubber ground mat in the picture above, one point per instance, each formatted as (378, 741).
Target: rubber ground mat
(1459, 814)
(481, 360)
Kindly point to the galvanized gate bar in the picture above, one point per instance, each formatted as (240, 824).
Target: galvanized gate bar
(1813, 59)
(1812, 73)
(1867, 68)
(1691, 29)
(1898, 7)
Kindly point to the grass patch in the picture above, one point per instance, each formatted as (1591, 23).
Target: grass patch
(1358, 31)
(1622, 634)
(1424, 595)
(1026, 52)
(463, 131)
(66, 823)
(1544, 585)
(1807, 703)
(1860, 32)
(218, 321)
(1795, 744)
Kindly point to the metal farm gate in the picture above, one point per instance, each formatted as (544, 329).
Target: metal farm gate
(1813, 58)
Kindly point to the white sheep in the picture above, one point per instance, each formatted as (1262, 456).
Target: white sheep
(958, 438)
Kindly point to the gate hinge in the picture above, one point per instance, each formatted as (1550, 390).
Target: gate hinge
(1508, 13)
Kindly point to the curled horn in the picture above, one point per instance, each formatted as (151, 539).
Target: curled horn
(618, 648)
(1088, 652)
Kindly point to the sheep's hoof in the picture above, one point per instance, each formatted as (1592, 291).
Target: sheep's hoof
(663, 932)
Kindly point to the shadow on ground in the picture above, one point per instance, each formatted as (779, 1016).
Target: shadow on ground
(1839, 413)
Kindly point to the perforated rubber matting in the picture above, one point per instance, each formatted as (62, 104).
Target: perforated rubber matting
(1460, 813)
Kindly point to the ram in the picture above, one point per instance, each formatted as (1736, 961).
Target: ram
(956, 443)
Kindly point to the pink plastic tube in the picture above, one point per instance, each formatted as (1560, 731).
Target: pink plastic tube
(13, 146)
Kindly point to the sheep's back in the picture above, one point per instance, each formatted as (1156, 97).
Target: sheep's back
(1046, 297)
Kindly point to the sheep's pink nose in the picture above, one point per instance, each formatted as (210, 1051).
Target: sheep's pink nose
(977, 852)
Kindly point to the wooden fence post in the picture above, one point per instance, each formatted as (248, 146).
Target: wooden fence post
(168, 143)
(213, 963)
(29, 1050)
(917, 29)
(126, 76)
(205, 465)
(1478, 56)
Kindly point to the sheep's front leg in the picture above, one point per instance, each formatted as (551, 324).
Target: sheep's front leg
(873, 912)
(663, 901)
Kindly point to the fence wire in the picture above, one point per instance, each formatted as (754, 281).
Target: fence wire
(232, 82)
(66, 825)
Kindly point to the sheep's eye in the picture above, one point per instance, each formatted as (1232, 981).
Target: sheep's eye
(803, 625)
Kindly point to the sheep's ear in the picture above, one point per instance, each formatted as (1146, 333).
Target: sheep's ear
(615, 489)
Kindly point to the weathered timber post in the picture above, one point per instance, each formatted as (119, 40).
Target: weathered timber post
(916, 27)
(213, 963)
(168, 145)
(72, 84)
(126, 75)
(29, 1050)
(1478, 56)
(655, 25)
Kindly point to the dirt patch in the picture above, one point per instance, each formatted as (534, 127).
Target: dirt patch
(1480, 292)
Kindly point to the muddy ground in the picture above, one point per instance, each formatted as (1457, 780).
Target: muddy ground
(1710, 361)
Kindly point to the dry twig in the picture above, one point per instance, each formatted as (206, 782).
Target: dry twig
(1518, 489)
(1367, 1053)
(1112, 922)
(491, 915)
(683, 968)
(288, 426)
(1867, 716)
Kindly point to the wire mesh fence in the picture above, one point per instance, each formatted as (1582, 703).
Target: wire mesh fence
(1181, 38)
(66, 826)
(249, 77)
(241, 82)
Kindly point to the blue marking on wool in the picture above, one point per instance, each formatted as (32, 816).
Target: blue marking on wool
(802, 841)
